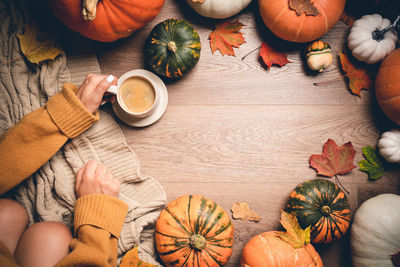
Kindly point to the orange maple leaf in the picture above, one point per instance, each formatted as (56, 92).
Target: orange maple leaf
(270, 55)
(334, 159)
(225, 37)
(358, 77)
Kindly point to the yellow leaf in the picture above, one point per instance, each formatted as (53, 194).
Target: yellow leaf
(36, 46)
(131, 259)
(241, 210)
(294, 234)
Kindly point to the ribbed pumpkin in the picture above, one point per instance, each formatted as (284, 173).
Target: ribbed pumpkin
(194, 231)
(106, 20)
(267, 249)
(286, 24)
(324, 206)
(387, 86)
(173, 48)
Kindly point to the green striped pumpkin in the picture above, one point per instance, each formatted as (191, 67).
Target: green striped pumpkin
(194, 231)
(173, 48)
(324, 206)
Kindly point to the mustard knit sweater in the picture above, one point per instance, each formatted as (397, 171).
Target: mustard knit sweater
(24, 148)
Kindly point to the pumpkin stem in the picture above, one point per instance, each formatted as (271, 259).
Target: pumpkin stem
(172, 46)
(197, 242)
(379, 35)
(326, 210)
(89, 9)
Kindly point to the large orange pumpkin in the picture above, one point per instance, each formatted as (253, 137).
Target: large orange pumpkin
(266, 250)
(106, 20)
(286, 24)
(387, 86)
(194, 231)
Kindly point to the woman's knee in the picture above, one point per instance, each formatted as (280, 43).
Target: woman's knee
(43, 244)
(13, 222)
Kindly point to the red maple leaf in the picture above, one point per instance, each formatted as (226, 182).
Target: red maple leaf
(334, 159)
(270, 55)
(225, 37)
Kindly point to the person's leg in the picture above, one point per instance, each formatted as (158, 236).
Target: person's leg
(13, 222)
(43, 244)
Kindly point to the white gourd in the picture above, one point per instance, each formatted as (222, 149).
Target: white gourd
(363, 46)
(218, 9)
(375, 232)
(389, 146)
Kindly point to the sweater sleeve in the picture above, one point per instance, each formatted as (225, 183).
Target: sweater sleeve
(25, 147)
(97, 225)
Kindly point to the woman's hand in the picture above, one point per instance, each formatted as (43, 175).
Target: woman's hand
(94, 178)
(92, 90)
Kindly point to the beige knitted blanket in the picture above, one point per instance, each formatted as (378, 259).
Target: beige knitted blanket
(49, 194)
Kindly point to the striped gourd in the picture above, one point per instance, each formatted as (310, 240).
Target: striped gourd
(324, 206)
(194, 231)
(319, 55)
(173, 48)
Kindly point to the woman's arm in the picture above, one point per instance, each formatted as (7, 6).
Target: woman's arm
(98, 218)
(25, 147)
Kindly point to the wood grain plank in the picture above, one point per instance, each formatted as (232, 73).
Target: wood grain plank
(258, 142)
(218, 79)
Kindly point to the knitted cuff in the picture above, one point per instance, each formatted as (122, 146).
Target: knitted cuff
(102, 211)
(68, 113)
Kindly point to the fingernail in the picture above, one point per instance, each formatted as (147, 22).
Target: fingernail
(110, 78)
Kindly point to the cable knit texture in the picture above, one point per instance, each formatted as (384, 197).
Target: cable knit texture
(49, 194)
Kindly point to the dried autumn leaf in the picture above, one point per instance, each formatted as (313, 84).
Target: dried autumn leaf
(294, 235)
(225, 37)
(334, 159)
(131, 259)
(371, 164)
(303, 6)
(36, 46)
(358, 77)
(241, 210)
(198, 1)
(346, 18)
(270, 56)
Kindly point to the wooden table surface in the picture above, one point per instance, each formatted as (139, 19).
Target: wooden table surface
(234, 131)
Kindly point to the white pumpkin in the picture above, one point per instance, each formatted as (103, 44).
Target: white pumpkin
(389, 146)
(218, 9)
(375, 232)
(363, 46)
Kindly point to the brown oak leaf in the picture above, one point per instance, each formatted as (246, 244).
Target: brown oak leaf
(37, 46)
(294, 235)
(225, 37)
(334, 159)
(358, 77)
(241, 210)
(303, 6)
(131, 259)
(270, 56)
(346, 18)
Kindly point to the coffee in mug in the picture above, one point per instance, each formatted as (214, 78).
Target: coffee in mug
(137, 94)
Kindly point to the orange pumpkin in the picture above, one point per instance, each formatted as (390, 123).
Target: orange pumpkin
(106, 20)
(288, 25)
(194, 231)
(266, 249)
(387, 86)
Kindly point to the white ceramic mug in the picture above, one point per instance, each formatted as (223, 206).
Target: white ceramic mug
(115, 89)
